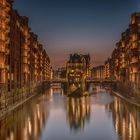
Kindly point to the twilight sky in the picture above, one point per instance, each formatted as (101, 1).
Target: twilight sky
(83, 26)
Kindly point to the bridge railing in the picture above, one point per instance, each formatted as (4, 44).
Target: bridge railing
(58, 80)
(99, 80)
(87, 80)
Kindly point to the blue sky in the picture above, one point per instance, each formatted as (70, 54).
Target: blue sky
(83, 26)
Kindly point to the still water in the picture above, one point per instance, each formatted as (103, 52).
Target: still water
(53, 116)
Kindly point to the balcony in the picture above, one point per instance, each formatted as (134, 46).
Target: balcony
(134, 60)
(3, 85)
(25, 53)
(7, 16)
(25, 47)
(7, 41)
(122, 65)
(8, 5)
(2, 28)
(7, 67)
(2, 14)
(25, 60)
(134, 28)
(2, 49)
(2, 42)
(134, 51)
(2, 66)
(7, 9)
(4, 20)
(7, 29)
(1, 3)
(2, 7)
(134, 45)
(7, 51)
(134, 37)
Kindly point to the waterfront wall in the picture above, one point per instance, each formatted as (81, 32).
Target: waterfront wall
(18, 96)
(128, 89)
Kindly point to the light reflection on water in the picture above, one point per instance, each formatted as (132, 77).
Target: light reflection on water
(53, 116)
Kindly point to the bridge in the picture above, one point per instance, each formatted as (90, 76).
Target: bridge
(58, 80)
(90, 80)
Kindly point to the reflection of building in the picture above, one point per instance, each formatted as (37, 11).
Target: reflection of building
(97, 72)
(78, 68)
(78, 112)
(126, 119)
(26, 122)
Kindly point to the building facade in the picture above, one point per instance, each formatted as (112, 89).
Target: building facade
(18, 59)
(5, 8)
(78, 68)
(126, 55)
(98, 72)
(24, 63)
(108, 69)
(125, 59)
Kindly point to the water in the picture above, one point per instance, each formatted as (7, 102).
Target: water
(53, 116)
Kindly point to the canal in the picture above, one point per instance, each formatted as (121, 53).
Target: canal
(53, 116)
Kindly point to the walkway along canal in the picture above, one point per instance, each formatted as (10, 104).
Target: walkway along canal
(11, 100)
(52, 115)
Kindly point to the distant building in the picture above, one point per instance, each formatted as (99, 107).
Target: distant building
(78, 68)
(61, 73)
(108, 69)
(97, 72)
(88, 69)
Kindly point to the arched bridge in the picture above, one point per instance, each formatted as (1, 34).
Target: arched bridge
(58, 80)
(100, 81)
(90, 80)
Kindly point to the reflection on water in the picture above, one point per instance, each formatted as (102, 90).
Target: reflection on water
(78, 112)
(26, 122)
(54, 116)
(126, 119)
